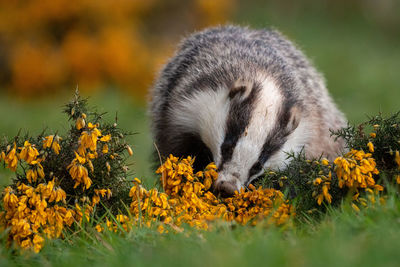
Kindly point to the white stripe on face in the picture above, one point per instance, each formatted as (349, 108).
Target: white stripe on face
(204, 113)
(249, 146)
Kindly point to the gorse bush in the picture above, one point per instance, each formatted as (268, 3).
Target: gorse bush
(66, 181)
(60, 178)
(314, 182)
(380, 136)
(373, 160)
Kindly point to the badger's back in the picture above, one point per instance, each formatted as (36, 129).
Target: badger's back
(210, 93)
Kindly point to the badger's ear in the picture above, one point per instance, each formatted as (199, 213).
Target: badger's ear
(241, 89)
(237, 91)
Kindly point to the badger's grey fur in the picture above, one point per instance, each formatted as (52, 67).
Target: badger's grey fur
(242, 98)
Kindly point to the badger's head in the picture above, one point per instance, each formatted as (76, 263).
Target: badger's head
(248, 128)
(259, 129)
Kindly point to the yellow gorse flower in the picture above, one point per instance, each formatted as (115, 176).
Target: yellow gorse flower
(11, 159)
(38, 242)
(355, 207)
(130, 152)
(256, 204)
(36, 171)
(78, 172)
(186, 200)
(100, 193)
(31, 212)
(52, 142)
(121, 221)
(322, 185)
(80, 122)
(106, 138)
(28, 152)
(356, 170)
(325, 162)
(370, 147)
(105, 149)
(397, 158)
(88, 139)
(83, 212)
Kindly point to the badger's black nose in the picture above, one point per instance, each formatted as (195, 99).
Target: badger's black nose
(225, 188)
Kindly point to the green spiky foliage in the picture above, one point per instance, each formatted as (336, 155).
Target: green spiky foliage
(384, 134)
(110, 170)
(297, 179)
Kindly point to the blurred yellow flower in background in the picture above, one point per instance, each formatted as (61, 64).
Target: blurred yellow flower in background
(51, 44)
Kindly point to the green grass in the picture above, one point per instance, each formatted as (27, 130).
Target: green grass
(342, 238)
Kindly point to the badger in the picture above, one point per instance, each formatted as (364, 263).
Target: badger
(242, 98)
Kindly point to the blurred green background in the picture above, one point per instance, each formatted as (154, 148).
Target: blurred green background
(113, 50)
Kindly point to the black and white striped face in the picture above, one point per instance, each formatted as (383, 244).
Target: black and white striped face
(247, 129)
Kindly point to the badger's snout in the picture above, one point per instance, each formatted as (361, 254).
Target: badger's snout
(226, 188)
